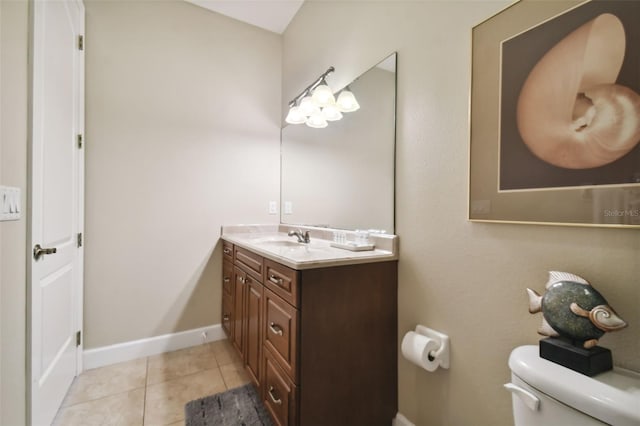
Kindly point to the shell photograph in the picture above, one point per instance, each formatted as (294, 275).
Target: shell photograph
(570, 100)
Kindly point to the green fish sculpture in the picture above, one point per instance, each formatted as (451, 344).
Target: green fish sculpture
(572, 309)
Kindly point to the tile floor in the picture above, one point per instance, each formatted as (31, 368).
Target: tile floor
(151, 390)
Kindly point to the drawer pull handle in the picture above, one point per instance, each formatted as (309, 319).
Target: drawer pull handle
(225, 317)
(241, 279)
(227, 279)
(275, 328)
(275, 279)
(227, 251)
(273, 398)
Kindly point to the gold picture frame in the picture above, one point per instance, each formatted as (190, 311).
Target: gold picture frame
(524, 164)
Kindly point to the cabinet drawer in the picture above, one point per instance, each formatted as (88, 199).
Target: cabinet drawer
(279, 393)
(227, 276)
(280, 329)
(282, 281)
(227, 251)
(250, 262)
(227, 313)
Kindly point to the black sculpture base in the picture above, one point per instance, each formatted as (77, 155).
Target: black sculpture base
(585, 361)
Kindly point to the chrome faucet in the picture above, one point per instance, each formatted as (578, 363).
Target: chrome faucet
(302, 238)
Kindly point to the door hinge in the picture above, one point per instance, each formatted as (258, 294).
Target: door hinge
(80, 42)
(80, 239)
(79, 141)
(78, 338)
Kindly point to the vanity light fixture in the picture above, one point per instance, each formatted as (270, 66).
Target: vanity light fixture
(316, 104)
(317, 120)
(331, 113)
(308, 106)
(322, 95)
(347, 101)
(296, 116)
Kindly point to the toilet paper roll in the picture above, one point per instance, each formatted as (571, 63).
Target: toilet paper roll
(416, 348)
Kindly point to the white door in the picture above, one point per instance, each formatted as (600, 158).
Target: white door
(56, 214)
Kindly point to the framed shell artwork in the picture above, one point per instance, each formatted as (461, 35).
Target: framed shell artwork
(555, 114)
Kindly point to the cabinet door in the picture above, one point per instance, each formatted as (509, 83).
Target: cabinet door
(254, 321)
(239, 287)
(227, 298)
(227, 277)
(227, 314)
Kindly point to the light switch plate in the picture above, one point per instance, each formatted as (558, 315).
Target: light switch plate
(10, 203)
(273, 207)
(288, 207)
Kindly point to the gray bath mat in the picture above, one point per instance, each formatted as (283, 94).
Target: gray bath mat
(235, 407)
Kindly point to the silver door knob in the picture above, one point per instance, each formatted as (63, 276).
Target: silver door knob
(39, 251)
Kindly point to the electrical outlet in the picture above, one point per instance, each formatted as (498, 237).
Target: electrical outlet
(273, 207)
(288, 207)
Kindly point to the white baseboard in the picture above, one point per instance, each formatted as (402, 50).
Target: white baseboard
(401, 420)
(127, 351)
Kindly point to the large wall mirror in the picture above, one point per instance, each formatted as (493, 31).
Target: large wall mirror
(343, 176)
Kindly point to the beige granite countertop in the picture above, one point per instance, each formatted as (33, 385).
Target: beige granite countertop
(272, 242)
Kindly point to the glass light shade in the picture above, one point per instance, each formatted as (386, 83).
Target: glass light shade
(317, 120)
(295, 116)
(347, 101)
(331, 113)
(308, 106)
(323, 96)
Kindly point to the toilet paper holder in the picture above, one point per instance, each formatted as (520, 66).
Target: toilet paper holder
(442, 353)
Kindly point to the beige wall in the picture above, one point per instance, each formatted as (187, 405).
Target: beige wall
(182, 123)
(465, 279)
(13, 172)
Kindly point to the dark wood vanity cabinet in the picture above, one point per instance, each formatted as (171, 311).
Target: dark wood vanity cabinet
(320, 344)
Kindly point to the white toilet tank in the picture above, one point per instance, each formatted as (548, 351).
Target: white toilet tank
(545, 393)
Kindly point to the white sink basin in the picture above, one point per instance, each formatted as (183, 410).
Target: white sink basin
(282, 243)
(276, 240)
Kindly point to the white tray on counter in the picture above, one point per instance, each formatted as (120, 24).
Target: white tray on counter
(353, 246)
